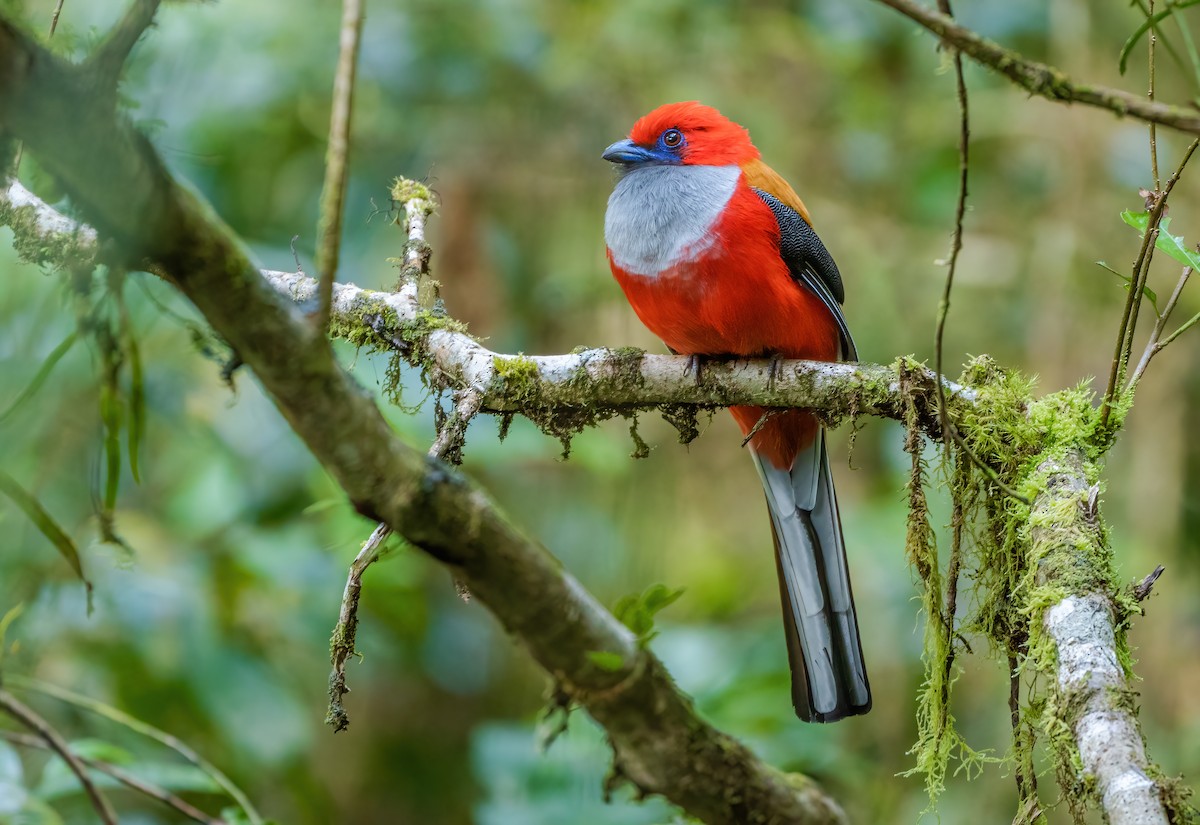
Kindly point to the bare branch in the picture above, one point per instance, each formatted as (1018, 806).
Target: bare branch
(1155, 343)
(1141, 591)
(144, 729)
(54, 17)
(345, 632)
(329, 228)
(124, 777)
(108, 60)
(1043, 80)
(25, 716)
(341, 645)
(1137, 283)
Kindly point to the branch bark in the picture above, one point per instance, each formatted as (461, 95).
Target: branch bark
(1043, 80)
(1092, 686)
(660, 744)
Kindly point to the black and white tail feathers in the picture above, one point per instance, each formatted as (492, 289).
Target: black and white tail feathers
(829, 679)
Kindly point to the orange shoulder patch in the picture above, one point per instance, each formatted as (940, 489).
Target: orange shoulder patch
(761, 176)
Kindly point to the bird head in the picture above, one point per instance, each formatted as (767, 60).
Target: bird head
(683, 134)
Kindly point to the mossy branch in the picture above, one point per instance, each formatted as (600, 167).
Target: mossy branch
(123, 189)
(1044, 80)
(1084, 618)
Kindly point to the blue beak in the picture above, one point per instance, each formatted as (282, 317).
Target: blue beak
(627, 152)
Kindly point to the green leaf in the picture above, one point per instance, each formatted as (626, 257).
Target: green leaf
(110, 415)
(1149, 293)
(137, 400)
(606, 660)
(5, 623)
(637, 612)
(659, 596)
(42, 374)
(44, 522)
(1172, 245)
(1138, 220)
(1145, 26)
(103, 750)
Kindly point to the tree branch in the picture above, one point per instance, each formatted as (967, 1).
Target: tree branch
(24, 715)
(329, 229)
(659, 742)
(1092, 689)
(1043, 80)
(141, 728)
(124, 777)
(108, 60)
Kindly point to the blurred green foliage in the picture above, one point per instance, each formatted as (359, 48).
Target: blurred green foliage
(214, 624)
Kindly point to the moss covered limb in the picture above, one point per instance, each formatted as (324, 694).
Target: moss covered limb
(1086, 625)
(124, 190)
(1043, 80)
(594, 381)
(41, 235)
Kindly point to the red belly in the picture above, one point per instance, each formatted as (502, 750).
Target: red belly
(740, 299)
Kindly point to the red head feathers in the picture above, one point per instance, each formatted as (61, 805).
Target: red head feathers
(709, 138)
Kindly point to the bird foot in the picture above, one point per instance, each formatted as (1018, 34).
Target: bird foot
(695, 363)
(774, 373)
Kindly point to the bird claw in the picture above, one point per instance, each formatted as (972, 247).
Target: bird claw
(694, 364)
(774, 372)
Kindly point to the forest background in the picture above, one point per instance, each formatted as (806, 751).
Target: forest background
(215, 625)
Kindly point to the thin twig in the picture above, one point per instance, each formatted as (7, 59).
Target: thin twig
(1191, 322)
(1137, 284)
(26, 716)
(145, 729)
(949, 430)
(1150, 95)
(1022, 770)
(1140, 291)
(1153, 345)
(960, 211)
(341, 644)
(333, 192)
(1141, 591)
(1043, 80)
(54, 17)
(127, 779)
(107, 61)
(20, 150)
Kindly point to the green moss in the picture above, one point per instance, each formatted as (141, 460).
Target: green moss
(1023, 559)
(52, 250)
(405, 190)
(520, 377)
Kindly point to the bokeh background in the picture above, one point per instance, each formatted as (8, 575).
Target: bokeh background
(216, 626)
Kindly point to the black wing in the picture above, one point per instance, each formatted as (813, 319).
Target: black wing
(811, 264)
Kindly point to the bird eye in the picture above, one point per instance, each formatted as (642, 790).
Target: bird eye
(672, 138)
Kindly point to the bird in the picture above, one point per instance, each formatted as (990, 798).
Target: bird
(717, 256)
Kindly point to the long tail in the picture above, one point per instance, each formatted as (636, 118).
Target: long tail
(829, 680)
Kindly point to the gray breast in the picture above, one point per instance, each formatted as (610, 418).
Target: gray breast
(661, 215)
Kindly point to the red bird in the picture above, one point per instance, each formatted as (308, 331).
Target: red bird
(717, 256)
